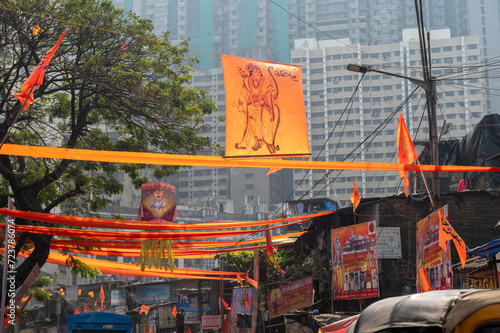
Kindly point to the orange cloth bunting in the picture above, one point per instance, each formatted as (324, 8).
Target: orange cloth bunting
(270, 252)
(265, 111)
(144, 309)
(406, 150)
(36, 78)
(92, 222)
(174, 311)
(425, 281)
(446, 232)
(355, 199)
(215, 161)
(240, 281)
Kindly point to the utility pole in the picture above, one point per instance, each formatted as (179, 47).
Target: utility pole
(430, 88)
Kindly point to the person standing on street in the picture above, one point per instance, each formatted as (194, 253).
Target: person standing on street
(179, 321)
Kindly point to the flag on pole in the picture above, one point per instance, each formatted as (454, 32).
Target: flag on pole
(355, 199)
(174, 311)
(144, 309)
(425, 281)
(446, 232)
(36, 77)
(75, 311)
(406, 150)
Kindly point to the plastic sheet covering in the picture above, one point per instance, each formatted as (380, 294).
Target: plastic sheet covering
(475, 148)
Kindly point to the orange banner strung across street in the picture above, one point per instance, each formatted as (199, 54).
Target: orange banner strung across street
(215, 161)
(265, 113)
(91, 222)
(175, 245)
(124, 235)
(124, 269)
(131, 252)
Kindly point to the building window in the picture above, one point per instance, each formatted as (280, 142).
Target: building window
(249, 187)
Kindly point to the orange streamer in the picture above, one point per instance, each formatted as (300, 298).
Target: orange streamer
(215, 161)
(91, 222)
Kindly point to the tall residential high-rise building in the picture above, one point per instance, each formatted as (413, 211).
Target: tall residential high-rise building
(341, 131)
(480, 18)
(365, 22)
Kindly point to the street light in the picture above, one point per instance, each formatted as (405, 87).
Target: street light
(430, 88)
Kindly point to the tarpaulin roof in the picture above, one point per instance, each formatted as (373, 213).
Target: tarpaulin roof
(475, 148)
(487, 250)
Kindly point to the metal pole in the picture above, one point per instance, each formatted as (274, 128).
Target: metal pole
(221, 290)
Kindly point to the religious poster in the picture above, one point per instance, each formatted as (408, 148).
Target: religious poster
(190, 305)
(435, 261)
(355, 261)
(265, 113)
(293, 296)
(158, 202)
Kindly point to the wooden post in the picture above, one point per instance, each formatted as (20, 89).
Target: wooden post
(255, 301)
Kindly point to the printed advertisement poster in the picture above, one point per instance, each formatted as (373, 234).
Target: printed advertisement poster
(117, 297)
(165, 316)
(481, 278)
(293, 296)
(190, 305)
(435, 261)
(152, 294)
(355, 261)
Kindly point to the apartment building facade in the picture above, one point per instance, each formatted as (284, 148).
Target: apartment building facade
(346, 121)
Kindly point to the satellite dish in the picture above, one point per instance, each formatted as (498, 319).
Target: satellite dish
(445, 129)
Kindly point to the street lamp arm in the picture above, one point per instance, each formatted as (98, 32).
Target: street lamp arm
(365, 69)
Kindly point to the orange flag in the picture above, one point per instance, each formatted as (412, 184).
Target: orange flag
(425, 281)
(189, 330)
(37, 30)
(355, 199)
(265, 113)
(252, 282)
(238, 278)
(446, 232)
(145, 309)
(102, 297)
(248, 301)
(226, 306)
(174, 311)
(151, 330)
(406, 150)
(270, 252)
(36, 78)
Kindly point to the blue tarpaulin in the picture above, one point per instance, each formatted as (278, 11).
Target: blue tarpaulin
(487, 250)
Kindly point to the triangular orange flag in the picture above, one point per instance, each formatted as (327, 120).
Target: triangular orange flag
(355, 199)
(226, 306)
(102, 297)
(248, 301)
(189, 330)
(36, 78)
(406, 150)
(174, 311)
(252, 282)
(446, 232)
(144, 309)
(273, 170)
(425, 281)
(238, 278)
(37, 30)
(151, 330)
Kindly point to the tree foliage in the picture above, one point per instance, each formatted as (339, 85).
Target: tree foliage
(112, 85)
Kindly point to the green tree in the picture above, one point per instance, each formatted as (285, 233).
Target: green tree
(112, 85)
